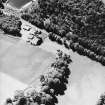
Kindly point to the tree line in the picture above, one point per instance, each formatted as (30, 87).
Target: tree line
(101, 100)
(85, 19)
(80, 46)
(52, 84)
(2, 6)
(10, 25)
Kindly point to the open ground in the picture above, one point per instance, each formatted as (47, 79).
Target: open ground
(20, 64)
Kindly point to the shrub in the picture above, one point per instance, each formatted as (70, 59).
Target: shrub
(52, 84)
(101, 101)
(11, 25)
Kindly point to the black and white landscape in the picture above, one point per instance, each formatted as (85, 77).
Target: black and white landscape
(52, 52)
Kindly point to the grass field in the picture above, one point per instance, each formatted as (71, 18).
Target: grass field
(20, 63)
(86, 82)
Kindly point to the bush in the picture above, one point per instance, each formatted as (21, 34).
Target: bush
(8, 101)
(81, 21)
(52, 84)
(101, 101)
(11, 25)
(22, 101)
(1, 4)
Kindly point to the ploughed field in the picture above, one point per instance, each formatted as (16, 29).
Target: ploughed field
(20, 65)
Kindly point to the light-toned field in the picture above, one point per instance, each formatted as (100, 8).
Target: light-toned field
(87, 79)
(20, 65)
(86, 82)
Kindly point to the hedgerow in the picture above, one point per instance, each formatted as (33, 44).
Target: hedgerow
(10, 25)
(52, 84)
(85, 19)
(73, 43)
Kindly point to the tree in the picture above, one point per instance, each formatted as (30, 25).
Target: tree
(9, 101)
(4, 1)
(37, 98)
(18, 94)
(42, 78)
(46, 99)
(22, 101)
(49, 99)
(55, 74)
(45, 89)
(1, 5)
(101, 100)
(11, 25)
(40, 41)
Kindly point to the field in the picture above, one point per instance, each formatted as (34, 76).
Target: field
(21, 64)
(80, 21)
(86, 82)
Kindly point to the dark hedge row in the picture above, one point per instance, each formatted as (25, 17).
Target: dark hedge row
(52, 84)
(2, 6)
(101, 101)
(33, 18)
(77, 46)
(84, 18)
(10, 25)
